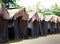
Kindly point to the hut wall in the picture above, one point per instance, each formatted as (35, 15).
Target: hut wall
(25, 28)
(49, 27)
(44, 27)
(40, 29)
(22, 26)
(56, 29)
(58, 26)
(30, 28)
(53, 27)
(35, 31)
(3, 30)
(16, 30)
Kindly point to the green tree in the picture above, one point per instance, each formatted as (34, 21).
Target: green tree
(43, 11)
(2, 2)
(29, 9)
(37, 7)
(56, 10)
(46, 12)
(8, 2)
(16, 5)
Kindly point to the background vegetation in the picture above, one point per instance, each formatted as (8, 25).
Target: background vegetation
(54, 9)
(11, 3)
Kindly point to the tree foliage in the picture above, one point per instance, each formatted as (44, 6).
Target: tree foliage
(11, 3)
(8, 2)
(29, 9)
(2, 2)
(16, 5)
(44, 11)
(56, 10)
(37, 7)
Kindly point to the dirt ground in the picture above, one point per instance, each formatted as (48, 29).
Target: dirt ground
(50, 39)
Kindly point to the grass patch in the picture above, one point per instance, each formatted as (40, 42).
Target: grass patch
(13, 41)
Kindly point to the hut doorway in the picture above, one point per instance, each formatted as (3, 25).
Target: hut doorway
(30, 28)
(11, 31)
(29, 31)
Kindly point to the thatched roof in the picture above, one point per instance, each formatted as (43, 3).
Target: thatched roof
(54, 18)
(1, 16)
(33, 16)
(18, 13)
(51, 18)
(48, 18)
(58, 19)
(3, 12)
(41, 16)
(0, 7)
(12, 12)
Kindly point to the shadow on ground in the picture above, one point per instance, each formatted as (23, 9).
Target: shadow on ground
(13, 41)
(4, 43)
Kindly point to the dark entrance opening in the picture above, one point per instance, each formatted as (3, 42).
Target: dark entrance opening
(29, 32)
(11, 30)
(11, 33)
(49, 31)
